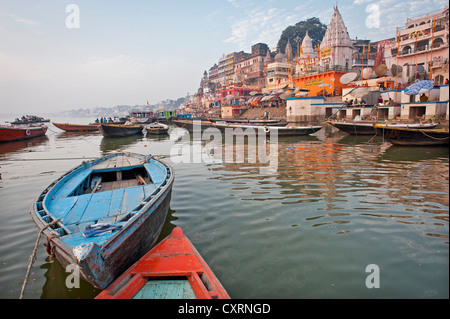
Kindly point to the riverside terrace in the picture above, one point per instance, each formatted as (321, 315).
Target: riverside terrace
(404, 108)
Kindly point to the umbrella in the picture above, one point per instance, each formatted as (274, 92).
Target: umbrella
(380, 70)
(419, 87)
(348, 77)
(358, 92)
(324, 85)
(366, 73)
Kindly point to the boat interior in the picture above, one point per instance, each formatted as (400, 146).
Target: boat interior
(111, 191)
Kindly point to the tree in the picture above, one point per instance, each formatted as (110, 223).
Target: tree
(316, 30)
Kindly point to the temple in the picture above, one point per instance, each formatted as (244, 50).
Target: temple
(336, 48)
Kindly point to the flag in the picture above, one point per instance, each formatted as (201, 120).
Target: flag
(364, 49)
(301, 50)
(368, 47)
(148, 103)
(434, 25)
(398, 38)
(318, 50)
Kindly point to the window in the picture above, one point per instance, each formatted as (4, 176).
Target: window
(406, 50)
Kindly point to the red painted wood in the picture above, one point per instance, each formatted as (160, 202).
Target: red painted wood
(175, 256)
(15, 133)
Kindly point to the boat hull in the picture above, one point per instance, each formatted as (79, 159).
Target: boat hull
(354, 128)
(152, 276)
(11, 133)
(367, 128)
(119, 130)
(157, 129)
(414, 137)
(101, 262)
(267, 130)
(192, 125)
(29, 122)
(77, 127)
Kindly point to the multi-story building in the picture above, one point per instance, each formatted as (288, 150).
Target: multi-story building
(363, 55)
(421, 48)
(250, 70)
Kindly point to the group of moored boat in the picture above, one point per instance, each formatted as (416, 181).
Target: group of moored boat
(248, 127)
(396, 133)
(114, 129)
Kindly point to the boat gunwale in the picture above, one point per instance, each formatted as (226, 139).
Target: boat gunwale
(409, 129)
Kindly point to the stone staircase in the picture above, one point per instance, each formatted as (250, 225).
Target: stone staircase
(278, 113)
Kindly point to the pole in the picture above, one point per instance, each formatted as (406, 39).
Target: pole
(396, 73)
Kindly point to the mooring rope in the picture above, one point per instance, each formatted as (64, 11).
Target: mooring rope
(33, 256)
(434, 138)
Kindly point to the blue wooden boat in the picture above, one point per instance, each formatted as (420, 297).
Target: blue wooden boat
(120, 130)
(111, 212)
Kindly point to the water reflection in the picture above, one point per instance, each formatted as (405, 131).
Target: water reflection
(20, 146)
(55, 288)
(109, 144)
(347, 180)
(396, 153)
(72, 135)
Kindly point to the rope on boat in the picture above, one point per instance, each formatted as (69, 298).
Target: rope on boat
(33, 255)
(434, 138)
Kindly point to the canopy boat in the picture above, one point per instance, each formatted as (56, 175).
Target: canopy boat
(111, 212)
(173, 269)
(413, 136)
(142, 117)
(29, 119)
(367, 128)
(157, 128)
(77, 127)
(10, 133)
(280, 130)
(120, 130)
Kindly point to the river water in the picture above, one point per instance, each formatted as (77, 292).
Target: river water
(304, 225)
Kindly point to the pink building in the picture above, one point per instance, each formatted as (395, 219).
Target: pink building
(420, 50)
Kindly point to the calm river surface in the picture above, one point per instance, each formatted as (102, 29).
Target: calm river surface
(306, 228)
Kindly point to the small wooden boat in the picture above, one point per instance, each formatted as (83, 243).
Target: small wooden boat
(10, 133)
(280, 130)
(248, 121)
(77, 127)
(413, 136)
(157, 128)
(173, 269)
(111, 212)
(120, 130)
(367, 128)
(29, 119)
(193, 124)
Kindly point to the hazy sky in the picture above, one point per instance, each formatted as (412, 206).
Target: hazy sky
(131, 52)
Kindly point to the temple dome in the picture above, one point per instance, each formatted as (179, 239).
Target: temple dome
(307, 46)
(279, 57)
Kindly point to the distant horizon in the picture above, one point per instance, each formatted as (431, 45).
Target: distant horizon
(63, 55)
